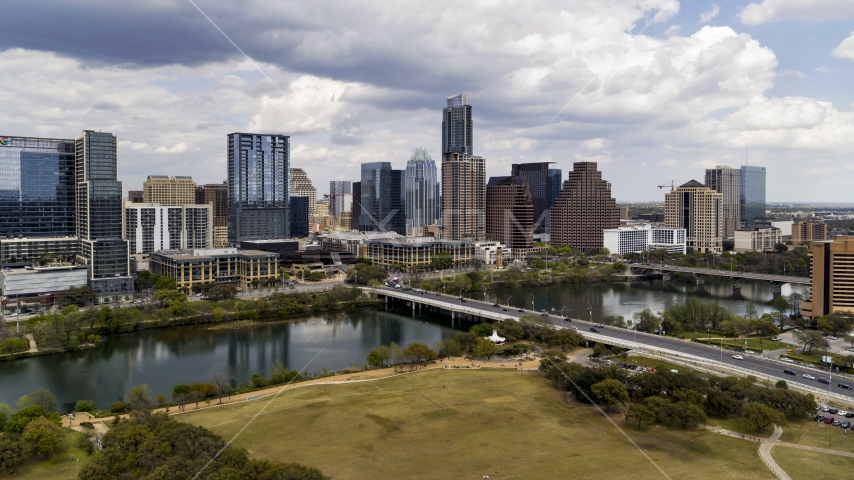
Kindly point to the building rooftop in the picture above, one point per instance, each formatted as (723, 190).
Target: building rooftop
(692, 183)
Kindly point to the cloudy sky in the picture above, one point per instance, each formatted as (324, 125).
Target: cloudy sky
(653, 90)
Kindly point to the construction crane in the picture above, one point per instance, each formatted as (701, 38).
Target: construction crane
(671, 185)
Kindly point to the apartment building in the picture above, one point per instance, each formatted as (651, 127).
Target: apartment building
(832, 272)
(168, 191)
(510, 211)
(806, 232)
(584, 209)
(757, 239)
(150, 227)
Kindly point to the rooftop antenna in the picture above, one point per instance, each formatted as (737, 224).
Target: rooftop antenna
(745, 155)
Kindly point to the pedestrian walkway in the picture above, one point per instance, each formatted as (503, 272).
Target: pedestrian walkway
(765, 454)
(32, 340)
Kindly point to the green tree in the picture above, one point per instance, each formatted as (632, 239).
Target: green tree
(760, 416)
(780, 305)
(484, 348)
(646, 321)
(43, 436)
(85, 406)
(417, 352)
(218, 314)
(684, 414)
(40, 396)
(140, 397)
(161, 400)
(221, 292)
(395, 354)
(610, 392)
(442, 260)
(639, 416)
(20, 419)
(12, 454)
(481, 329)
(378, 356)
(165, 283)
(5, 413)
(781, 384)
(564, 339)
(167, 297)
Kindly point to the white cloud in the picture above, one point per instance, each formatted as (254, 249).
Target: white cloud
(672, 30)
(706, 16)
(669, 162)
(796, 73)
(704, 164)
(845, 49)
(798, 10)
(643, 164)
(177, 148)
(594, 143)
(849, 166)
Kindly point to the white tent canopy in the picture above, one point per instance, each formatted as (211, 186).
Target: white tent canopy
(495, 338)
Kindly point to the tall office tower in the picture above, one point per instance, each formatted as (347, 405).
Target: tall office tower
(299, 217)
(151, 227)
(216, 194)
(456, 126)
(99, 212)
(752, 193)
(168, 191)
(584, 209)
(696, 208)
(538, 181)
(832, 272)
(463, 196)
(356, 212)
(421, 192)
(340, 197)
(36, 198)
(510, 212)
(806, 232)
(555, 179)
(382, 199)
(727, 181)
(301, 187)
(258, 187)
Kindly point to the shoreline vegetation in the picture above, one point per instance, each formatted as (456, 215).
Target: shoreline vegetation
(72, 329)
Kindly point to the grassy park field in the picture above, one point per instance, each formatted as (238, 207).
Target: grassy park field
(466, 424)
(814, 434)
(803, 464)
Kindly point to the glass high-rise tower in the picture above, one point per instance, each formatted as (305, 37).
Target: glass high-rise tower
(381, 202)
(752, 201)
(456, 126)
(99, 212)
(727, 181)
(421, 192)
(258, 187)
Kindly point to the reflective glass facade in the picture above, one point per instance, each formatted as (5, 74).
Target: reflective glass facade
(555, 180)
(258, 187)
(456, 126)
(421, 192)
(382, 202)
(752, 201)
(36, 187)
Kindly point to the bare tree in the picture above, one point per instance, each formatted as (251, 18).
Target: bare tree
(221, 380)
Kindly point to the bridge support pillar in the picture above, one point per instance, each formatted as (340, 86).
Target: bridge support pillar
(701, 279)
(413, 309)
(778, 288)
(736, 285)
(666, 276)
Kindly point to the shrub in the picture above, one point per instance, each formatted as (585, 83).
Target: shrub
(85, 406)
(13, 345)
(119, 407)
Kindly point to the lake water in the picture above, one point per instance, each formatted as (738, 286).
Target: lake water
(163, 358)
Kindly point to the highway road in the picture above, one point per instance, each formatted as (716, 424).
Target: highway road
(723, 273)
(754, 363)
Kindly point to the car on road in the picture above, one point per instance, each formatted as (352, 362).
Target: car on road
(462, 300)
(820, 418)
(851, 349)
(568, 319)
(495, 305)
(823, 380)
(504, 309)
(776, 339)
(842, 413)
(521, 310)
(738, 357)
(831, 337)
(789, 371)
(849, 415)
(829, 420)
(594, 329)
(573, 326)
(836, 423)
(832, 411)
(808, 376)
(787, 360)
(844, 385)
(845, 424)
(600, 325)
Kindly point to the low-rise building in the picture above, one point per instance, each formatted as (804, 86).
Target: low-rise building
(354, 242)
(641, 236)
(197, 270)
(418, 252)
(757, 239)
(31, 288)
(492, 253)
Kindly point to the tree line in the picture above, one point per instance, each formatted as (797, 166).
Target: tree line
(678, 399)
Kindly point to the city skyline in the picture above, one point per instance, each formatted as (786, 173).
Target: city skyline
(763, 100)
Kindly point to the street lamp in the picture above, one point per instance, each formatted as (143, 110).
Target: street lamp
(532, 302)
(591, 312)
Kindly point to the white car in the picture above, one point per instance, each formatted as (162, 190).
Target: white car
(831, 337)
(738, 357)
(600, 325)
(787, 360)
(749, 351)
(776, 339)
(808, 376)
(574, 327)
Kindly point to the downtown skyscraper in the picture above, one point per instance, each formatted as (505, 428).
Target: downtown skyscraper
(463, 174)
(258, 187)
(584, 209)
(381, 201)
(752, 201)
(421, 192)
(727, 181)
